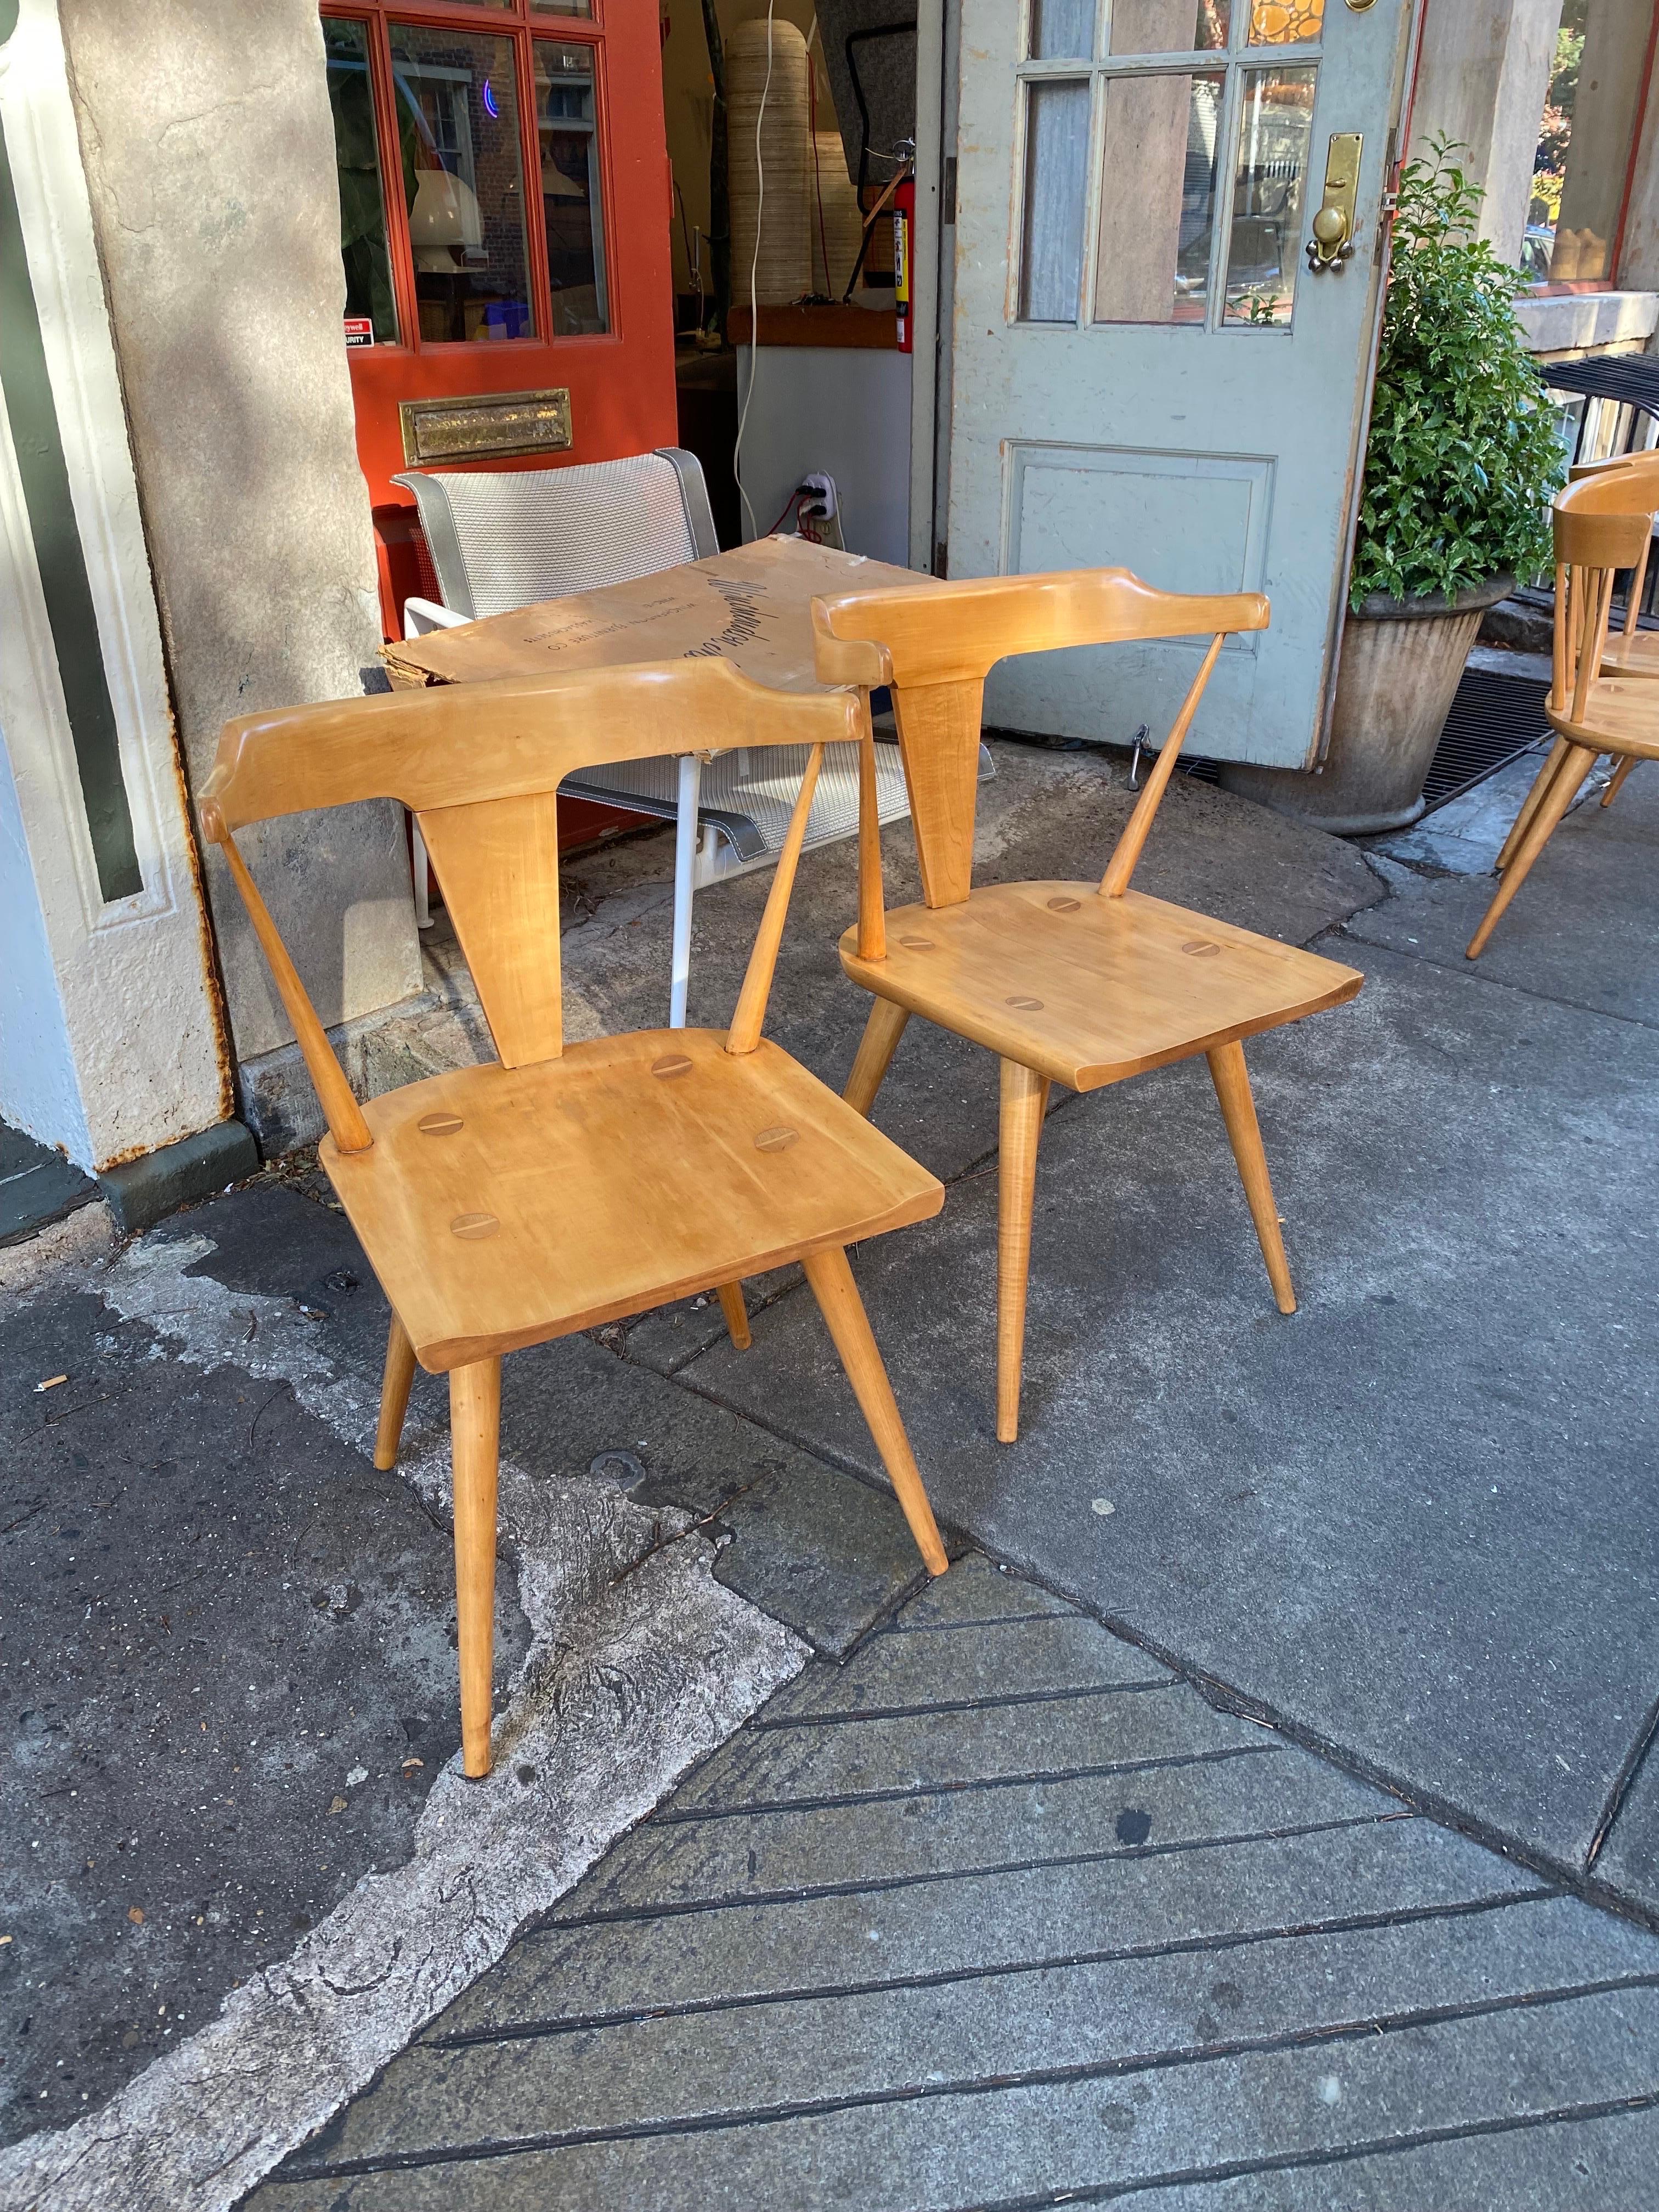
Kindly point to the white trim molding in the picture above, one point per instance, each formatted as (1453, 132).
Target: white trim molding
(133, 976)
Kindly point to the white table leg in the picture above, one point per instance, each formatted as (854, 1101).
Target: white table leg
(417, 865)
(685, 862)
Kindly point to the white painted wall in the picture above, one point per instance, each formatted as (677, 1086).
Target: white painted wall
(39, 1091)
(841, 409)
(120, 993)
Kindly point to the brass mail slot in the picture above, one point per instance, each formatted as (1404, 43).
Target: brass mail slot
(493, 425)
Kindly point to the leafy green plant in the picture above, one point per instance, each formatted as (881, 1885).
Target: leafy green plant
(1463, 455)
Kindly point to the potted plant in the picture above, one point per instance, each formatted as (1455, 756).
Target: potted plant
(1460, 462)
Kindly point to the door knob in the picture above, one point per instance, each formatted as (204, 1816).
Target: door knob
(1332, 243)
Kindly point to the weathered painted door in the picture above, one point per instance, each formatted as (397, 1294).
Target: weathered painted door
(1146, 370)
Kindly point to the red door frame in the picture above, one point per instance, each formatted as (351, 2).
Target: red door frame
(621, 382)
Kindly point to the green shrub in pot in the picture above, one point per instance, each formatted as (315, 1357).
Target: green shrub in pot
(1463, 455)
(1461, 462)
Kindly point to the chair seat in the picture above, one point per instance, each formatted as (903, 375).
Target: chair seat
(500, 1207)
(1087, 990)
(1623, 718)
(1637, 655)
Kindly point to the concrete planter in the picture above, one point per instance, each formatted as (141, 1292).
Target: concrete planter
(1399, 665)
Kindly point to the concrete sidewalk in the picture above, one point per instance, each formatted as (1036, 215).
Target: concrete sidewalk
(1413, 1529)
(1001, 1913)
(1417, 1524)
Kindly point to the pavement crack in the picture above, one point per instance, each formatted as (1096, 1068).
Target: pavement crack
(1314, 2036)
(1623, 1783)
(880, 1885)
(1000, 1970)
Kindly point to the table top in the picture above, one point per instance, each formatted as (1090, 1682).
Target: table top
(749, 606)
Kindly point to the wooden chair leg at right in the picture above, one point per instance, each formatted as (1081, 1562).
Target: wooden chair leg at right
(1529, 806)
(1232, 1089)
(1024, 1100)
(475, 1412)
(1618, 777)
(875, 1053)
(737, 1315)
(831, 1280)
(394, 1394)
(1575, 765)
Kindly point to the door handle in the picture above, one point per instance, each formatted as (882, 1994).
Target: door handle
(1332, 243)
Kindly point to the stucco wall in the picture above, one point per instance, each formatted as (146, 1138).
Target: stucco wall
(1484, 70)
(208, 146)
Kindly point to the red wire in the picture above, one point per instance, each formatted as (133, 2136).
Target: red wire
(787, 504)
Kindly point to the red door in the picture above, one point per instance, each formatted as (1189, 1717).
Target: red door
(504, 209)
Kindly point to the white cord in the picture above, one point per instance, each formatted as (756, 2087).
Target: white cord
(754, 281)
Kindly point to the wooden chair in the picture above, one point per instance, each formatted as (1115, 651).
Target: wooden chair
(502, 1206)
(1602, 525)
(501, 539)
(1630, 651)
(1074, 983)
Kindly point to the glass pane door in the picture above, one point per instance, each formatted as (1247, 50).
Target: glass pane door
(1182, 189)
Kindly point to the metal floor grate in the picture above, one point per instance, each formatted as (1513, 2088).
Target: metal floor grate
(1493, 718)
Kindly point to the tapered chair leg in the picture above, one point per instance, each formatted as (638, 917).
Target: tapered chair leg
(737, 1315)
(842, 1309)
(394, 1394)
(1232, 1088)
(1569, 781)
(1024, 1099)
(875, 1054)
(475, 1411)
(1618, 777)
(1529, 806)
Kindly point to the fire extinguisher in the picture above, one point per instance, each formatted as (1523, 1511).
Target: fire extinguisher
(904, 222)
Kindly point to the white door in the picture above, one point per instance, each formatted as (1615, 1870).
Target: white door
(1146, 371)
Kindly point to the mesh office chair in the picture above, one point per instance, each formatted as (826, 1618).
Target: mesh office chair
(501, 540)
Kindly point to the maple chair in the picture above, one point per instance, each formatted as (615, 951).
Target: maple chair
(561, 1186)
(1077, 983)
(1630, 651)
(1602, 523)
(501, 539)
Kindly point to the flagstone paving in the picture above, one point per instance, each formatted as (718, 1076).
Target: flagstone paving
(1416, 1523)
(1002, 1913)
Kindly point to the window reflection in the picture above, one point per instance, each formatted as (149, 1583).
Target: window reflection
(1056, 192)
(1274, 135)
(1157, 198)
(1584, 140)
(1170, 27)
(1061, 30)
(567, 128)
(369, 296)
(458, 128)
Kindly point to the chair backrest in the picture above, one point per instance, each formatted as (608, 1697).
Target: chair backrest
(1639, 475)
(479, 766)
(935, 647)
(1603, 523)
(501, 539)
(1645, 460)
